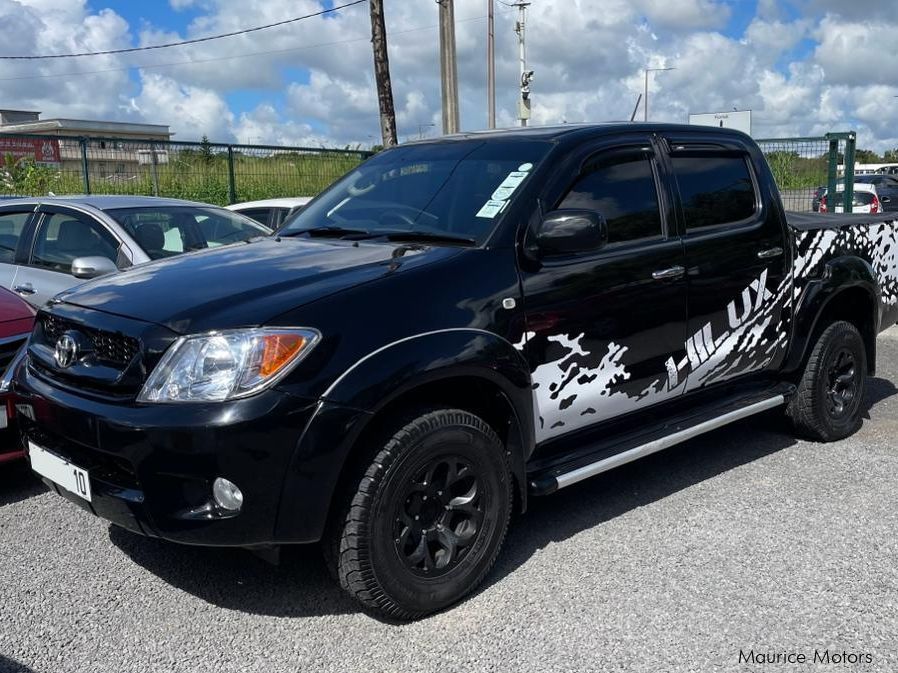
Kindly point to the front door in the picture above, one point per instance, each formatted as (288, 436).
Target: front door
(603, 326)
(736, 260)
(62, 236)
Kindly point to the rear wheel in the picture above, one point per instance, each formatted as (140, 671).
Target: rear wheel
(827, 404)
(428, 517)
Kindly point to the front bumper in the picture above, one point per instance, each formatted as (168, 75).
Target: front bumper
(151, 467)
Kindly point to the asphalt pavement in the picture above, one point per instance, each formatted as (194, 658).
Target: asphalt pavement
(742, 540)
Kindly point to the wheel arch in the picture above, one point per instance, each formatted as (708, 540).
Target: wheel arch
(848, 290)
(473, 370)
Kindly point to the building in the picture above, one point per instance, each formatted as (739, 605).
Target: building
(114, 150)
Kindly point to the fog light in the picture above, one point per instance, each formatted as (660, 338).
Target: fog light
(227, 495)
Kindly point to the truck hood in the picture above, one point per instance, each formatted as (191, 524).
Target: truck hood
(243, 284)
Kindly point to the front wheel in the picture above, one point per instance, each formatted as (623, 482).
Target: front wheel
(827, 404)
(428, 518)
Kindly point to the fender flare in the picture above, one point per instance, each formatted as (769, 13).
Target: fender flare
(393, 370)
(349, 405)
(839, 275)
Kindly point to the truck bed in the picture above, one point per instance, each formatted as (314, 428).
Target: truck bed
(821, 238)
(815, 221)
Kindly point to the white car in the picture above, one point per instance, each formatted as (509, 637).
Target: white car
(866, 200)
(271, 212)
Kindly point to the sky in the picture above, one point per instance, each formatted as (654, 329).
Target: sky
(804, 67)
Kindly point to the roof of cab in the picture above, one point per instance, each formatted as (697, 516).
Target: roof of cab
(565, 131)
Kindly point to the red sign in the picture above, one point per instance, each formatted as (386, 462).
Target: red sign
(42, 150)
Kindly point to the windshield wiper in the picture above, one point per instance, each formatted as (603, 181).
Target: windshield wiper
(424, 237)
(326, 232)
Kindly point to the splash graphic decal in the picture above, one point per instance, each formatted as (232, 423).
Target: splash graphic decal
(575, 388)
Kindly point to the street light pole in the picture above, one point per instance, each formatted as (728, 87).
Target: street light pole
(490, 66)
(526, 75)
(645, 102)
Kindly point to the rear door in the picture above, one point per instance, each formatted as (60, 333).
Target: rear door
(62, 235)
(603, 325)
(736, 260)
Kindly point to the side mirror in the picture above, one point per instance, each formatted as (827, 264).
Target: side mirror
(563, 232)
(92, 267)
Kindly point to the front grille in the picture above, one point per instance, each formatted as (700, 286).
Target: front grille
(8, 350)
(110, 347)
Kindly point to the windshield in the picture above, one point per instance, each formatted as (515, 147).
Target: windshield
(448, 190)
(165, 231)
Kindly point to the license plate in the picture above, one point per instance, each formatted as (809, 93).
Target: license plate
(60, 471)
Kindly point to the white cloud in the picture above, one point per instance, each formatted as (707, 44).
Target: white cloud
(311, 82)
(191, 110)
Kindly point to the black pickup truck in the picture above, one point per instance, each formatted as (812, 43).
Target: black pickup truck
(452, 328)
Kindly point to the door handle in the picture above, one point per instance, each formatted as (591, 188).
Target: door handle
(770, 253)
(667, 274)
(24, 288)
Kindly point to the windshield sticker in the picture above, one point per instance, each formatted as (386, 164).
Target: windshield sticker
(492, 208)
(503, 192)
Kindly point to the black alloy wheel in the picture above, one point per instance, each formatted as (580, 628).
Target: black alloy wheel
(424, 524)
(439, 517)
(827, 404)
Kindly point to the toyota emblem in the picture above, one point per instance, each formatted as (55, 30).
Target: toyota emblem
(66, 350)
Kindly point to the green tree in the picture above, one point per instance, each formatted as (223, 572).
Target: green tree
(207, 156)
(867, 157)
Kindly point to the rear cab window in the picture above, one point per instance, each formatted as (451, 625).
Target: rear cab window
(716, 190)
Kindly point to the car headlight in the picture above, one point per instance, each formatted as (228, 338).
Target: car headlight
(226, 365)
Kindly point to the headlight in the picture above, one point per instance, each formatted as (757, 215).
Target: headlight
(226, 365)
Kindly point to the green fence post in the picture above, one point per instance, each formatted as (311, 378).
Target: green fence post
(848, 174)
(85, 170)
(832, 172)
(232, 183)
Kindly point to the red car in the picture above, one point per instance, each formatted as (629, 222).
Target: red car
(16, 318)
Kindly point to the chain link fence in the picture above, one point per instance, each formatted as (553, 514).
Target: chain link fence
(803, 167)
(35, 165)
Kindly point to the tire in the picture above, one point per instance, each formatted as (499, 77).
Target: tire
(425, 523)
(827, 405)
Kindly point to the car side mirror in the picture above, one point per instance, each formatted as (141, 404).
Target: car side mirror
(92, 267)
(567, 231)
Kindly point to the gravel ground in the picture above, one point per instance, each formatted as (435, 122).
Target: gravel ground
(743, 539)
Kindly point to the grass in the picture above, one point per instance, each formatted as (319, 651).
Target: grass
(200, 178)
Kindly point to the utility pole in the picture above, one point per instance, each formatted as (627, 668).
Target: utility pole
(645, 101)
(382, 74)
(491, 65)
(448, 68)
(526, 75)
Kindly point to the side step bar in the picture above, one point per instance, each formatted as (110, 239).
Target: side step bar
(587, 471)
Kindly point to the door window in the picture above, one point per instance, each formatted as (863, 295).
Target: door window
(260, 215)
(64, 237)
(621, 188)
(11, 227)
(714, 190)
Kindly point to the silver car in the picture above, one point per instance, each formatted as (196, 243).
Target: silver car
(49, 244)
